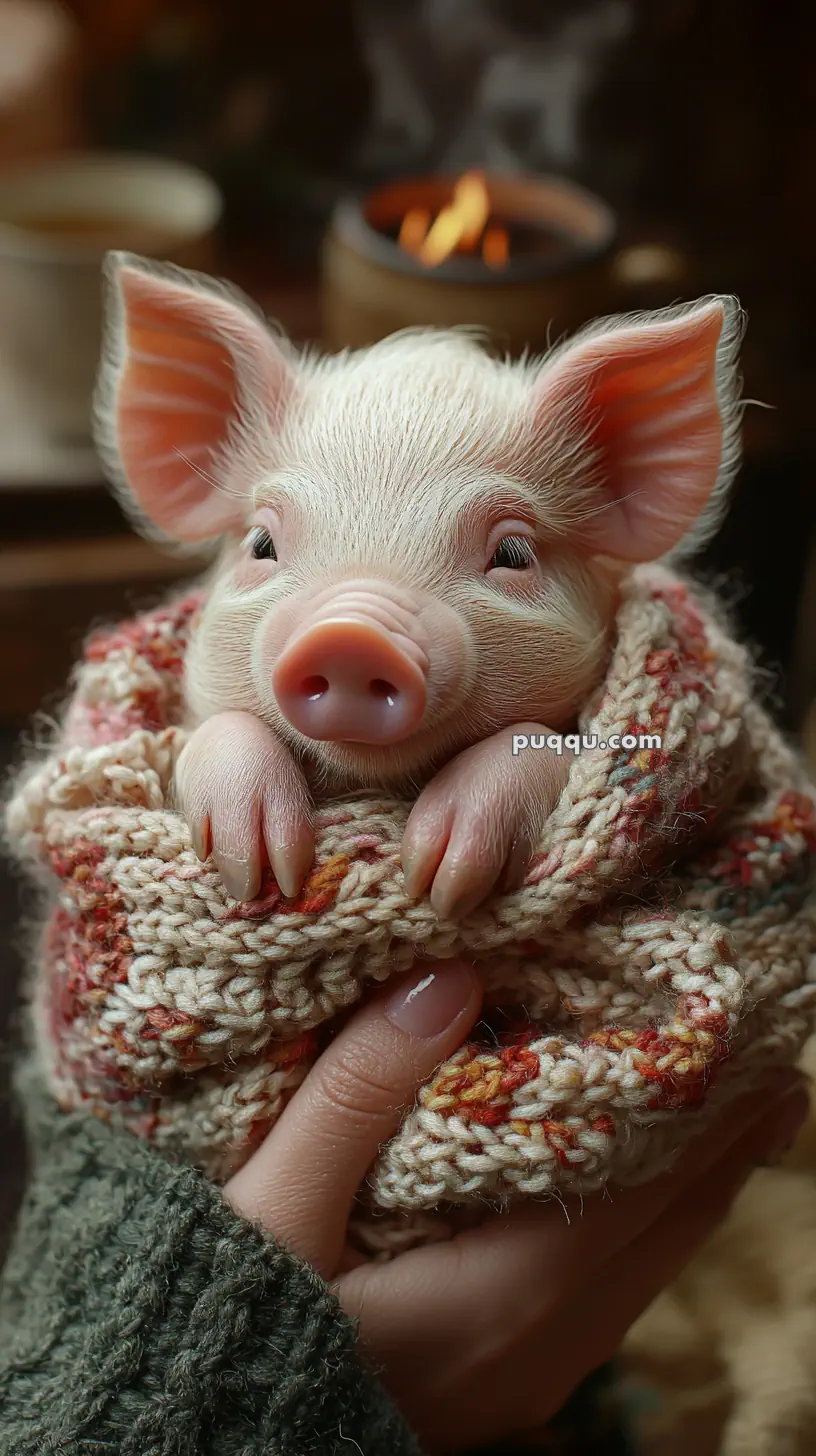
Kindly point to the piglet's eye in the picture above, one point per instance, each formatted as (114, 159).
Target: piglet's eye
(261, 545)
(514, 553)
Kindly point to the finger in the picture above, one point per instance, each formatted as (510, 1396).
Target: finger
(535, 1256)
(302, 1181)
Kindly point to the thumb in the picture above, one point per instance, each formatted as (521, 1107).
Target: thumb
(300, 1184)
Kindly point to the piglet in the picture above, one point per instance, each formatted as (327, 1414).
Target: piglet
(421, 548)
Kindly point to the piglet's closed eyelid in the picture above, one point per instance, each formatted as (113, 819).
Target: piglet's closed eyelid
(267, 517)
(513, 526)
(481, 523)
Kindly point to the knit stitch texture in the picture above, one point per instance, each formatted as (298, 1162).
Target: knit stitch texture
(140, 1316)
(659, 955)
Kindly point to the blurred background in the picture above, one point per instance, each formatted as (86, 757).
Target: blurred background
(693, 120)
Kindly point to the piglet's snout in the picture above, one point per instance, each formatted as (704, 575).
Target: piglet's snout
(355, 673)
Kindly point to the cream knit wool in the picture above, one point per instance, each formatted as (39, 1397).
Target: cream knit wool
(660, 954)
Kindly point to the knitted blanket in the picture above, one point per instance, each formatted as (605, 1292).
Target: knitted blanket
(659, 955)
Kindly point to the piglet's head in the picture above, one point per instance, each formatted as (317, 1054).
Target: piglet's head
(419, 544)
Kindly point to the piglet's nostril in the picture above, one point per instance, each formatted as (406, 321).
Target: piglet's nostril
(346, 680)
(379, 688)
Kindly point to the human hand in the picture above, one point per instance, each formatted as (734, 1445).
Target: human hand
(484, 1336)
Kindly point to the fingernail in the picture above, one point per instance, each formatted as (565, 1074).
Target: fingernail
(427, 1005)
(778, 1132)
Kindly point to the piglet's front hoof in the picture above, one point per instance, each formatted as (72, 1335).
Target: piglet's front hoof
(475, 828)
(246, 801)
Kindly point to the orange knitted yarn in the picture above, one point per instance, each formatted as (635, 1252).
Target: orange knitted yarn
(659, 955)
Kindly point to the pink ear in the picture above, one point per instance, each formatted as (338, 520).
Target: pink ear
(654, 402)
(188, 369)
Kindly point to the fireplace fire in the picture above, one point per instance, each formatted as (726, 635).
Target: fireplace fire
(463, 225)
(523, 257)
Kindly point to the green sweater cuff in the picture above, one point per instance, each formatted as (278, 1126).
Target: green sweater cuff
(139, 1316)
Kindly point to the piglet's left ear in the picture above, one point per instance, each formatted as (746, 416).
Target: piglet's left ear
(191, 393)
(654, 402)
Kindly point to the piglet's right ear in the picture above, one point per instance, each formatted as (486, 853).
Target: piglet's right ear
(191, 380)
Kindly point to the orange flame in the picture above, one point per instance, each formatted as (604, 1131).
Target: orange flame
(458, 228)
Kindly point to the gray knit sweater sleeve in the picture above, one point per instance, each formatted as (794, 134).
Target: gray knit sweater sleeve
(140, 1317)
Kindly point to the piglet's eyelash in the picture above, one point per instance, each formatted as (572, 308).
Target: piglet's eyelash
(259, 543)
(513, 553)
